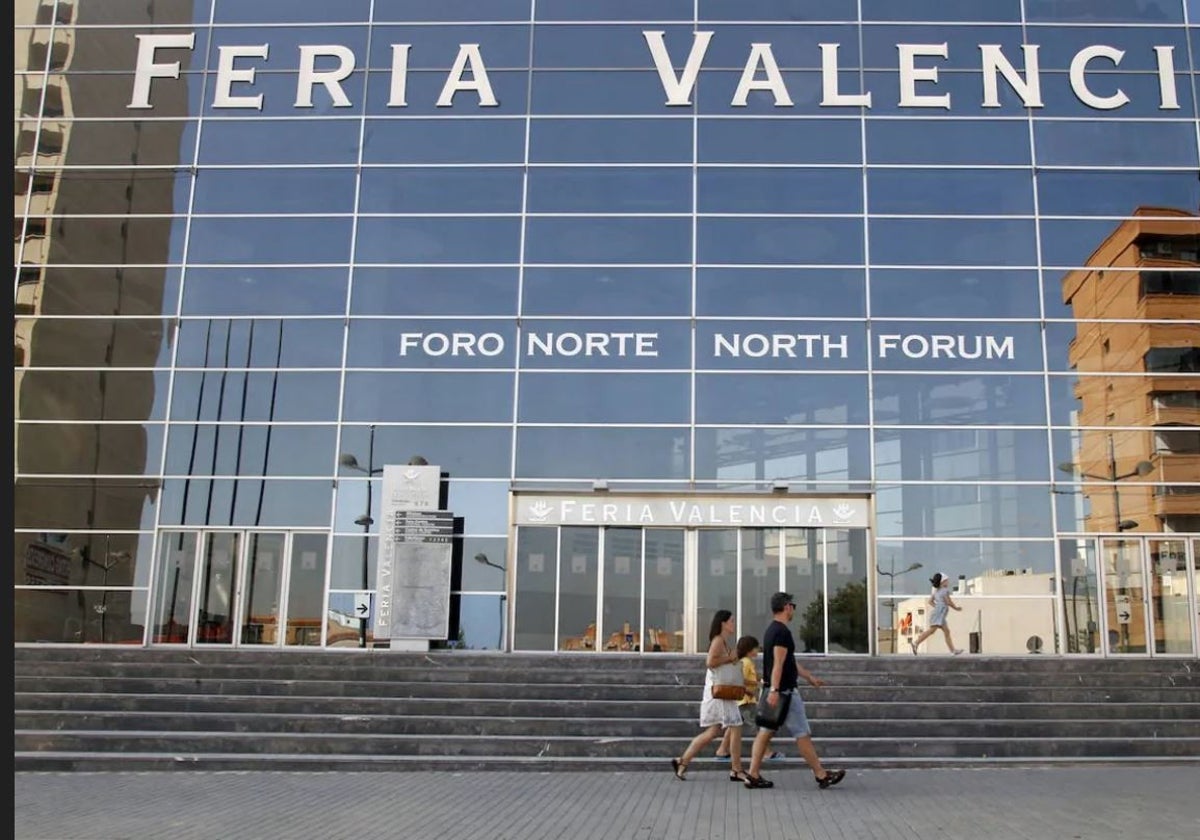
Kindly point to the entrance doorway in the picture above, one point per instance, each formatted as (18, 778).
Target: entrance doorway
(1132, 596)
(650, 590)
(236, 588)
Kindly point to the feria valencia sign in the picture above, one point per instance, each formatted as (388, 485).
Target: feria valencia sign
(691, 511)
(917, 65)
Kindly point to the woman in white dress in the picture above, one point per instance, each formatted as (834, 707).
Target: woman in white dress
(942, 603)
(716, 714)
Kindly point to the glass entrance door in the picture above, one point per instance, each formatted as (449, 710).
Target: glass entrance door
(227, 588)
(1149, 596)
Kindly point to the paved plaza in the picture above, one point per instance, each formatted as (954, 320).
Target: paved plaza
(1044, 803)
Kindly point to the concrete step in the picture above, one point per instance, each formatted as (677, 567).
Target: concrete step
(914, 709)
(550, 727)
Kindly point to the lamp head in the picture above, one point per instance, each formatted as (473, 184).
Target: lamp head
(481, 557)
(1144, 468)
(417, 461)
(349, 461)
(1127, 525)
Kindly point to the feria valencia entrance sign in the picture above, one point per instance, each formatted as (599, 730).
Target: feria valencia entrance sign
(666, 511)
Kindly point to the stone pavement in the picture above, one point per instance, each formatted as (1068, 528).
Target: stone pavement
(1133, 802)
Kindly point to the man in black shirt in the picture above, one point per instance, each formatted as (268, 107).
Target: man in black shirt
(781, 673)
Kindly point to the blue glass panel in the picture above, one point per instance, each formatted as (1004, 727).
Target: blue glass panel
(1114, 193)
(951, 454)
(401, 343)
(437, 47)
(954, 293)
(1072, 243)
(439, 10)
(608, 240)
(424, 88)
(267, 342)
(605, 48)
(265, 291)
(962, 45)
(283, 50)
(781, 398)
(1141, 89)
(434, 291)
(964, 88)
(660, 10)
(279, 141)
(966, 192)
(605, 344)
(295, 503)
(948, 141)
(814, 455)
(779, 141)
(776, 241)
(716, 90)
(972, 10)
(602, 453)
(1115, 143)
(781, 345)
(280, 93)
(968, 558)
(441, 190)
(462, 451)
(311, 397)
(776, 292)
(961, 346)
(953, 399)
(1111, 11)
(557, 92)
(1061, 45)
(607, 291)
(274, 191)
(255, 450)
(985, 242)
(610, 190)
(284, 241)
(611, 141)
(793, 47)
(290, 11)
(438, 240)
(604, 398)
(777, 10)
(444, 397)
(444, 141)
(776, 190)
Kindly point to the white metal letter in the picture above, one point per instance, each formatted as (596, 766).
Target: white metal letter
(678, 90)
(761, 54)
(1079, 83)
(468, 54)
(1167, 95)
(1029, 88)
(829, 82)
(399, 75)
(226, 76)
(331, 79)
(910, 74)
(148, 70)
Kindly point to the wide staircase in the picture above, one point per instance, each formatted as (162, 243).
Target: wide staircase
(153, 709)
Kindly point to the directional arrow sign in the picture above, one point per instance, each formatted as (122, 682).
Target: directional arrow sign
(1123, 616)
(362, 604)
(1123, 609)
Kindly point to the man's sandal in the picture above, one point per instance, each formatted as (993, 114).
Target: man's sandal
(831, 778)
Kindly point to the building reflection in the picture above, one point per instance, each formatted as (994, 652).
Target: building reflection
(72, 267)
(1132, 406)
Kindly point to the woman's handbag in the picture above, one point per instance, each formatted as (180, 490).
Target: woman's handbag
(768, 716)
(728, 681)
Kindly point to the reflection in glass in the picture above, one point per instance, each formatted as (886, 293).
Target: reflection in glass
(1169, 606)
(482, 620)
(1081, 595)
(846, 581)
(176, 568)
(260, 601)
(804, 577)
(219, 571)
(1124, 596)
(621, 604)
(306, 583)
(759, 579)
(534, 595)
(664, 588)
(578, 575)
(716, 579)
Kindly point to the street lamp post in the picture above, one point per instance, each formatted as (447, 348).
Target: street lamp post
(891, 576)
(1141, 468)
(350, 462)
(483, 558)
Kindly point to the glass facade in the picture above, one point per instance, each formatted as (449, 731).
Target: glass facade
(942, 257)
